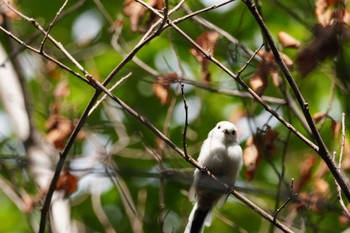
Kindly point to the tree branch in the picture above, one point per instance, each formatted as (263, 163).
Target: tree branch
(321, 148)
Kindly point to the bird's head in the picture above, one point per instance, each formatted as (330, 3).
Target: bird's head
(224, 131)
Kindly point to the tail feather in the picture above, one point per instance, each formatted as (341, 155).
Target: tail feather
(198, 218)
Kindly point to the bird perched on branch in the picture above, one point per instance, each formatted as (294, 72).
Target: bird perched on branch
(221, 155)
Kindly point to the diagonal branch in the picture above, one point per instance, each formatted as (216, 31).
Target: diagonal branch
(321, 148)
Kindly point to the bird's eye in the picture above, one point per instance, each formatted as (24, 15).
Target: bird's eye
(233, 132)
(219, 126)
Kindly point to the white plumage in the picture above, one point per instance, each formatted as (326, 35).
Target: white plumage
(222, 156)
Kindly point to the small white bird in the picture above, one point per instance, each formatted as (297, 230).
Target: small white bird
(222, 156)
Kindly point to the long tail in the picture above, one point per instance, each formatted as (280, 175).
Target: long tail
(198, 218)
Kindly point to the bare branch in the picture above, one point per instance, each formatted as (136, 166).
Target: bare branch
(339, 195)
(321, 147)
(184, 138)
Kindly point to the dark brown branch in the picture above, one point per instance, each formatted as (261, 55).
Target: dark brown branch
(99, 88)
(60, 164)
(186, 119)
(261, 212)
(321, 147)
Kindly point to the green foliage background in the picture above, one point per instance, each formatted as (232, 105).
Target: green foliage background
(135, 163)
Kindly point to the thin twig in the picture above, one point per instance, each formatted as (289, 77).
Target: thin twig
(339, 195)
(261, 212)
(281, 177)
(126, 198)
(165, 18)
(240, 71)
(330, 102)
(120, 81)
(159, 158)
(191, 14)
(104, 12)
(100, 213)
(51, 25)
(291, 197)
(184, 137)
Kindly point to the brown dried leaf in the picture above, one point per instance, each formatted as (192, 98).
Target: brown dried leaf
(287, 41)
(30, 202)
(251, 158)
(276, 80)
(317, 117)
(135, 11)
(62, 89)
(289, 62)
(321, 186)
(52, 71)
(161, 92)
(346, 156)
(305, 172)
(312, 202)
(207, 41)
(59, 135)
(158, 5)
(68, 183)
(323, 11)
(330, 12)
(10, 14)
(161, 87)
(53, 119)
(336, 127)
(344, 218)
(269, 141)
(258, 82)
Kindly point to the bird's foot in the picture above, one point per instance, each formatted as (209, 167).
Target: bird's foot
(230, 189)
(204, 169)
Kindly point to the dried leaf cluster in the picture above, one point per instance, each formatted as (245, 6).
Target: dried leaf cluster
(259, 146)
(136, 12)
(207, 42)
(333, 24)
(58, 126)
